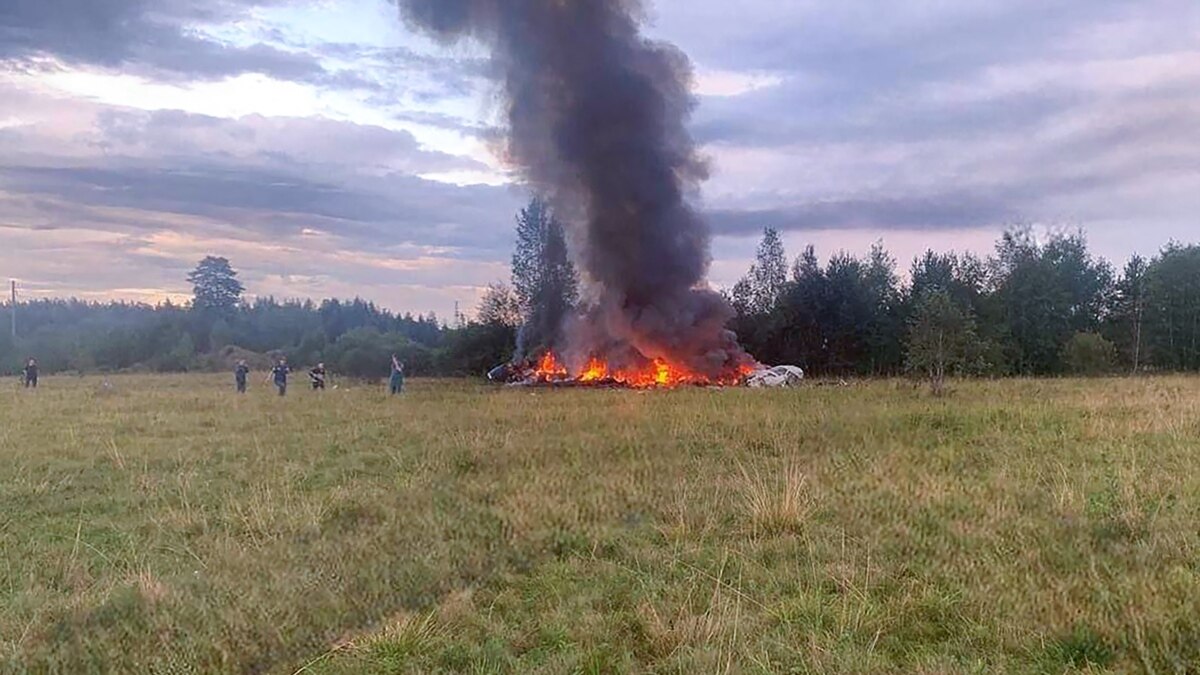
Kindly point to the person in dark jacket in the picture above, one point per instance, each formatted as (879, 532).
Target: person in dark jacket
(280, 374)
(317, 377)
(239, 375)
(31, 374)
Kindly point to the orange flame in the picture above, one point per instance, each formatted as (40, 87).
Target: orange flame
(653, 374)
(550, 369)
(595, 371)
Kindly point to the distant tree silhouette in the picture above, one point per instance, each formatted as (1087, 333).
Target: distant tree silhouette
(761, 288)
(499, 307)
(215, 286)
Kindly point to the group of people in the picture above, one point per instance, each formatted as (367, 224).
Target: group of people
(279, 375)
(316, 376)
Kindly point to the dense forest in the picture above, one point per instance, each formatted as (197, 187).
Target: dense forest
(353, 337)
(1035, 306)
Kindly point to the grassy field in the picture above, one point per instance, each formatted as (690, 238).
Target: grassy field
(164, 525)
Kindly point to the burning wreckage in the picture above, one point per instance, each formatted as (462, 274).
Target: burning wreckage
(550, 372)
(596, 124)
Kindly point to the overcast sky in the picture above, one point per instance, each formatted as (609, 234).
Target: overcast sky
(328, 152)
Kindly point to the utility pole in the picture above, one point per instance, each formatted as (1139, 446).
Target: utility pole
(13, 308)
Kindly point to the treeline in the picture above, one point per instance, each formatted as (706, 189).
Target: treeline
(1031, 308)
(353, 337)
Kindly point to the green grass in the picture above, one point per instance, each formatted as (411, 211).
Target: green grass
(164, 525)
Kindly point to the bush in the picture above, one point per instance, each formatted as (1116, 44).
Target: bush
(1089, 354)
(941, 339)
(367, 353)
(477, 348)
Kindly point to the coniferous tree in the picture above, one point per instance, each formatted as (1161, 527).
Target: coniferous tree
(544, 278)
(215, 286)
(768, 275)
(796, 329)
(884, 329)
(1173, 307)
(1127, 319)
(755, 296)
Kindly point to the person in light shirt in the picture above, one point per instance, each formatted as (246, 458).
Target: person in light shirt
(317, 377)
(31, 374)
(396, 383)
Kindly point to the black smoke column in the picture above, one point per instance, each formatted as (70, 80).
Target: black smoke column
(596, 118)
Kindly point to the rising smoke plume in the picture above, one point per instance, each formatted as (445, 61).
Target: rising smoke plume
(597, 124)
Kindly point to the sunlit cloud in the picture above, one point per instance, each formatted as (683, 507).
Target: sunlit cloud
(725, 83)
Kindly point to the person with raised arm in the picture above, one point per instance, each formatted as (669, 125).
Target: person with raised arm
(396, 383)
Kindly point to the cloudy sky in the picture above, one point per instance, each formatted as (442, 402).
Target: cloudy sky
(329, 152)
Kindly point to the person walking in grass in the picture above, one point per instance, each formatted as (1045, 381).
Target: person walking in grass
(31, 374)
(396, 383)
(317, 377)
(280, 375)
(239, 375)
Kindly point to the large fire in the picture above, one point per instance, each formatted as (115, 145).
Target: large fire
(655, 373)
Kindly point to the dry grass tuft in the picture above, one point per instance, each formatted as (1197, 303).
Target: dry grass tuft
(403, 636)
(776, 505)
(151, 589)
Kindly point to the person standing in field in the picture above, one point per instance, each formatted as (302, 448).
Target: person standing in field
(317, 377)
(239, 375)
(280, 374)
(31, 374)
(396, 383)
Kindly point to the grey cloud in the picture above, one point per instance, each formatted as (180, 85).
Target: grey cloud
(934, 117)
(389, 210)
(392, 72)
(857, 47)
(792, 114)
(312, 145)
(1047, 189)
(155, 37)
(844, 79)
(137, 171)
(443, 121)
(940, 212)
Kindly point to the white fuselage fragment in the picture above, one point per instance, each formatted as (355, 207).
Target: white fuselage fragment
(777, 376)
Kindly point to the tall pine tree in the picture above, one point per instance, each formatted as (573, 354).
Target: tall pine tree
(215, 286)
(543, 276)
